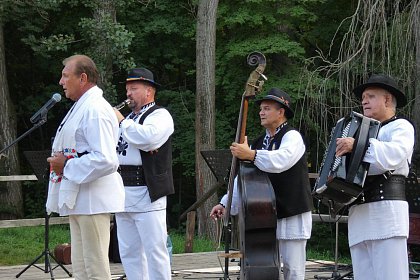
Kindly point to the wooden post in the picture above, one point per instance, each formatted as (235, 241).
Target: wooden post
(189, 240)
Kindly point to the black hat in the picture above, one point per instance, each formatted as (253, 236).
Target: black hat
(385, 82)
(142, 75)
(281, 97)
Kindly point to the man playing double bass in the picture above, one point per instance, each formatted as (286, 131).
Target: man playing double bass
(280, 152)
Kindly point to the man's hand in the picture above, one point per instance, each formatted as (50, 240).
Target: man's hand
(120, 117)
(242, 151)
(57, 162)
(344, 146)
(217, 212)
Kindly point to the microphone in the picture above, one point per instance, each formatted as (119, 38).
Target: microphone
(44, 109)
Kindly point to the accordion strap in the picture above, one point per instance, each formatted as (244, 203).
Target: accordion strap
(360, 150)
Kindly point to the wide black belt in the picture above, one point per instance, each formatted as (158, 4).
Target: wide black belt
(379, 187)
(132, 175)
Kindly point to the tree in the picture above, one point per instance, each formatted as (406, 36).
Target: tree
(380, 37)
(415, 108)
(205, 109)
(10, 192)
(108, 42)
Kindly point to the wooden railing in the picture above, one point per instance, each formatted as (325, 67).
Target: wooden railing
(33, 222)
(28, 222)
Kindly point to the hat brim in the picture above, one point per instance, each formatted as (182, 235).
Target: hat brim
(141, 79)
(289, 112)
(399, 96)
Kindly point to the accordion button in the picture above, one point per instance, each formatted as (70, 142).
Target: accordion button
(380, 185)
(382, 197)
(381, 191)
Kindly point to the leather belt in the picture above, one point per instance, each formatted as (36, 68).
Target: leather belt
(132, 175)
(379, 188)
(82, 154)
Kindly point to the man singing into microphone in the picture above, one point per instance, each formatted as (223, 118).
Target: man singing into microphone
(84, 182)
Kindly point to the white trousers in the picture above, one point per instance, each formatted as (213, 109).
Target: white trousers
(89, 246)
(142, 243)
(293, 257)
(384, 259)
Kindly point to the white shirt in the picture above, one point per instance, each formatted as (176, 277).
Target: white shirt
(384, 219)
(152, 134)
(101, 189)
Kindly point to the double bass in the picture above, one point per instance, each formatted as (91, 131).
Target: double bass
(257, 215)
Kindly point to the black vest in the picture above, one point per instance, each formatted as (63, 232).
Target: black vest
(157, 166)
(291, 187)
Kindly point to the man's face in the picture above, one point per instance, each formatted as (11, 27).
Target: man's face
(374, 101)
(139, 94)
(71, 82)
(270, 113)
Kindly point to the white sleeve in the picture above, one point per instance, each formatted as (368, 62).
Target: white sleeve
(234, 209)
(392, 149)
(98, 136)
(150, 135)
(290, 151)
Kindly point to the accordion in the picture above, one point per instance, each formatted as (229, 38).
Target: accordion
(341, 179)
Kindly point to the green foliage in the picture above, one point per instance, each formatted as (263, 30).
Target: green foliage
(160, 35)
(113, 35)
(45, 46)
(321, 246)
(34, 199)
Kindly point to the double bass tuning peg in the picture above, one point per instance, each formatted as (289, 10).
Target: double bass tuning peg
(262, 76)
(260, 84)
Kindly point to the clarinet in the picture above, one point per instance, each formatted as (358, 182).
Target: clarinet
(122, 104)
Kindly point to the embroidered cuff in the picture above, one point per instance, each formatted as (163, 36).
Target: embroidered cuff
(255, 156)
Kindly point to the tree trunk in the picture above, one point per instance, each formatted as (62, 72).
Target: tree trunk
(205, 110)
(103, 13)
(415, 111)
(11, 202)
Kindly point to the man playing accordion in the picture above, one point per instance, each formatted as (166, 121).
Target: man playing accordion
(378, 221)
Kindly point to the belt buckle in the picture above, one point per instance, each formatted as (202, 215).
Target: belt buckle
(387, 175)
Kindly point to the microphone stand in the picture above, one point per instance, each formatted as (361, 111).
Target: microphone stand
(46, 253)
(42, 120)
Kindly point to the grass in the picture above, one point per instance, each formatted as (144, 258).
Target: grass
(22, 245)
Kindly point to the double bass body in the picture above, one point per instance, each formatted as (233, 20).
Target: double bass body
(257, 225)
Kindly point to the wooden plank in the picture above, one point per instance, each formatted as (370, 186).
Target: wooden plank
(231, 255)
(202, 199)
(313, 175)
(33, 222)
(189, 242)
(18, 178)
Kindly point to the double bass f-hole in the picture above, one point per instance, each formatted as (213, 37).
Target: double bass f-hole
(257, 217)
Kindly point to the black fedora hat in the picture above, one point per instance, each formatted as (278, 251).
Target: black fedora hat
(281, 97)
(142, 75)
(385, 82)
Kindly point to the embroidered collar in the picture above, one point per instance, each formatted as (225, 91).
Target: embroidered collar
(268, 138)
(143, 109)
(388, 120)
